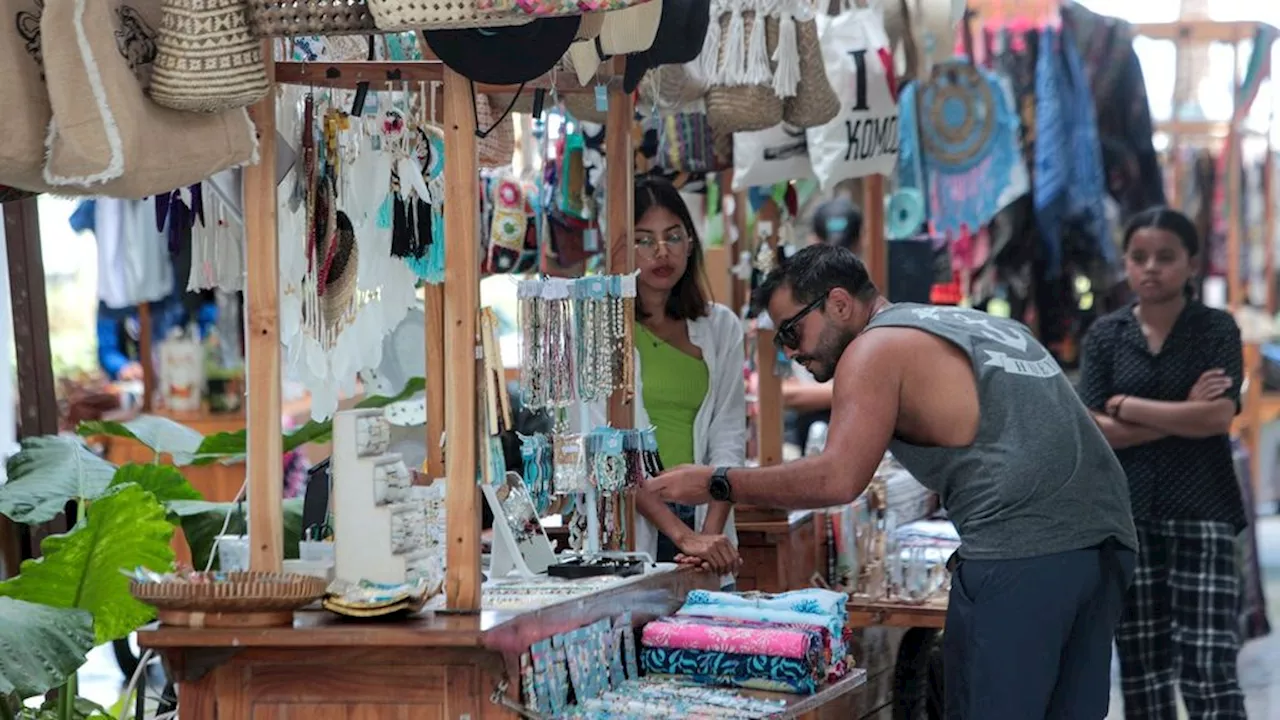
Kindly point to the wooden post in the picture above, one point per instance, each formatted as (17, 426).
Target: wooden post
(620, 224)
(435, 376)
(146, 356)
(265, 463)
(769, 425)
(461, 300)
(875, 253)
(37, 393)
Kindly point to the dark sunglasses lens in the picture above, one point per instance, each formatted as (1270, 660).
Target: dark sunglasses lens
(786, 338)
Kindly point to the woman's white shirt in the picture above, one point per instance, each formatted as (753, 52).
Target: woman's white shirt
(720, 426)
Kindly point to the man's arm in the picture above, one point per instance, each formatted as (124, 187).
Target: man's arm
(806, 396)
(1122, 435)
(864, 413)
(1188, 418)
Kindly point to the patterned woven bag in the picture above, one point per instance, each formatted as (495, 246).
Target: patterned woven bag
(207, 60)
(288, 18)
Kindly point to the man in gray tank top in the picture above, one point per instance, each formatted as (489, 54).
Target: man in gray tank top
(976, 409)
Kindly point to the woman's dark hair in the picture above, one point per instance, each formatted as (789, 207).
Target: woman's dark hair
(688, 299)
(1169, 220)
(1172, 221)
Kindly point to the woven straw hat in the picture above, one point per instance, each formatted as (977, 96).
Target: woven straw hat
(207, 58)
(629, 30)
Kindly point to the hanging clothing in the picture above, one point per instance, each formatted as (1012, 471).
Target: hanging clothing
(1119, 93)
(133, 257)
(958, 145)
(1070, 184)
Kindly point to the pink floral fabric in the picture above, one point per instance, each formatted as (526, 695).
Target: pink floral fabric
(726, 638)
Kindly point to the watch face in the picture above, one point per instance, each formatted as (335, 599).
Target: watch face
(719, 488)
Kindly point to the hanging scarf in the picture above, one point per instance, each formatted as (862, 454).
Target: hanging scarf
(1070, 183)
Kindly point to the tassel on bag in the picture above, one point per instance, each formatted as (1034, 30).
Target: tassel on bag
(734, 69)
(786, 78)
(708, 63)
(756, 69)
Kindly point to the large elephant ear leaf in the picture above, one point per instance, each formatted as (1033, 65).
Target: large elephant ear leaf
(47, 473)
(124, 529)
(163, 481)
(162, 435)
(40, 646)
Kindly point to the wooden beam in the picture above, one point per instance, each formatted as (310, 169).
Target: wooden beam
(875, 251)
(461, 300)
(435, 375)
(37, 394)
(348, 75)
(1200, 31)
(262, 354)
(146, 356)
(768, 385)
(620, 161)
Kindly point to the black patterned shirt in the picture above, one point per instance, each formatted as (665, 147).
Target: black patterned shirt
(1174, 477)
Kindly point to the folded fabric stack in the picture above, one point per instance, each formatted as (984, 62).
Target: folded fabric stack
(790, 642)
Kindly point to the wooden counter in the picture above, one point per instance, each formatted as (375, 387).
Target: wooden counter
(780, 551)
(434, 666)
(889, 613)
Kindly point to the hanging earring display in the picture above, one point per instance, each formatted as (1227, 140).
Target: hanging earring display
(570, 465)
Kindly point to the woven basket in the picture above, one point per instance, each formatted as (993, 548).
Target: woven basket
(670, 87)
(243, 592)
(284, 18)
(499, 146)
(815, 102)
(397, 15)
(743, 108)
(206, 59)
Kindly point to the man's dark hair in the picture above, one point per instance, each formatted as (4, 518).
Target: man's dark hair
(812, 273)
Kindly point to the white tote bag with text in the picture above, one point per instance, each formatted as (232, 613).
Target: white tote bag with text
(863, 139)
(765, 157)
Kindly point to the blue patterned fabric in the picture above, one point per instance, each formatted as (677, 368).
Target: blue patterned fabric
(1070, 182)
(811, 601)
(759, 672)
(958, 145)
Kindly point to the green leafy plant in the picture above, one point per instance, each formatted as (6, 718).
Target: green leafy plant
(75, 596)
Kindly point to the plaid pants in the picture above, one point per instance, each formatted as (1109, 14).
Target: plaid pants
(1181, 623)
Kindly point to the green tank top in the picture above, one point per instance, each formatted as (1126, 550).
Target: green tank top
(674, 384)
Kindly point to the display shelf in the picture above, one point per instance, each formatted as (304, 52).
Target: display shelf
(889, 613)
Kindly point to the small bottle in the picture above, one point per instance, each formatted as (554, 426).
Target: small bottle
(817, 439)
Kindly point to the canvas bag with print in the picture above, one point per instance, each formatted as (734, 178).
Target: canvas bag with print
(106, 134)
(22, 95)
(862, 140)
(765, 157)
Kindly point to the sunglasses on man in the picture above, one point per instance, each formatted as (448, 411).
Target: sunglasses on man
(787, 336)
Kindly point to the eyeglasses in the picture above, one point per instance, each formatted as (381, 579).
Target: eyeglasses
(788, 333)
(676, 241)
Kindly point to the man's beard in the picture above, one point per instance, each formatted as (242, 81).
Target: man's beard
(831, 345)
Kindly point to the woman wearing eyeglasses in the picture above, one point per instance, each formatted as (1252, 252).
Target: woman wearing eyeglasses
(689, 384)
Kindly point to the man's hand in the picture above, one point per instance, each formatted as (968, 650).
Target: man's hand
(132, 371)
(1211, 385)
(712, 552)
(684, 484)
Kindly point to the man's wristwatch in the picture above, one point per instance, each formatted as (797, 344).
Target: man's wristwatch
(719, 487)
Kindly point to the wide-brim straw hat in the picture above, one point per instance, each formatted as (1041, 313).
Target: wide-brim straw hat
(629, 30)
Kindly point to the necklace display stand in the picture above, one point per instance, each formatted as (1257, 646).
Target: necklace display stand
(527, 553)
